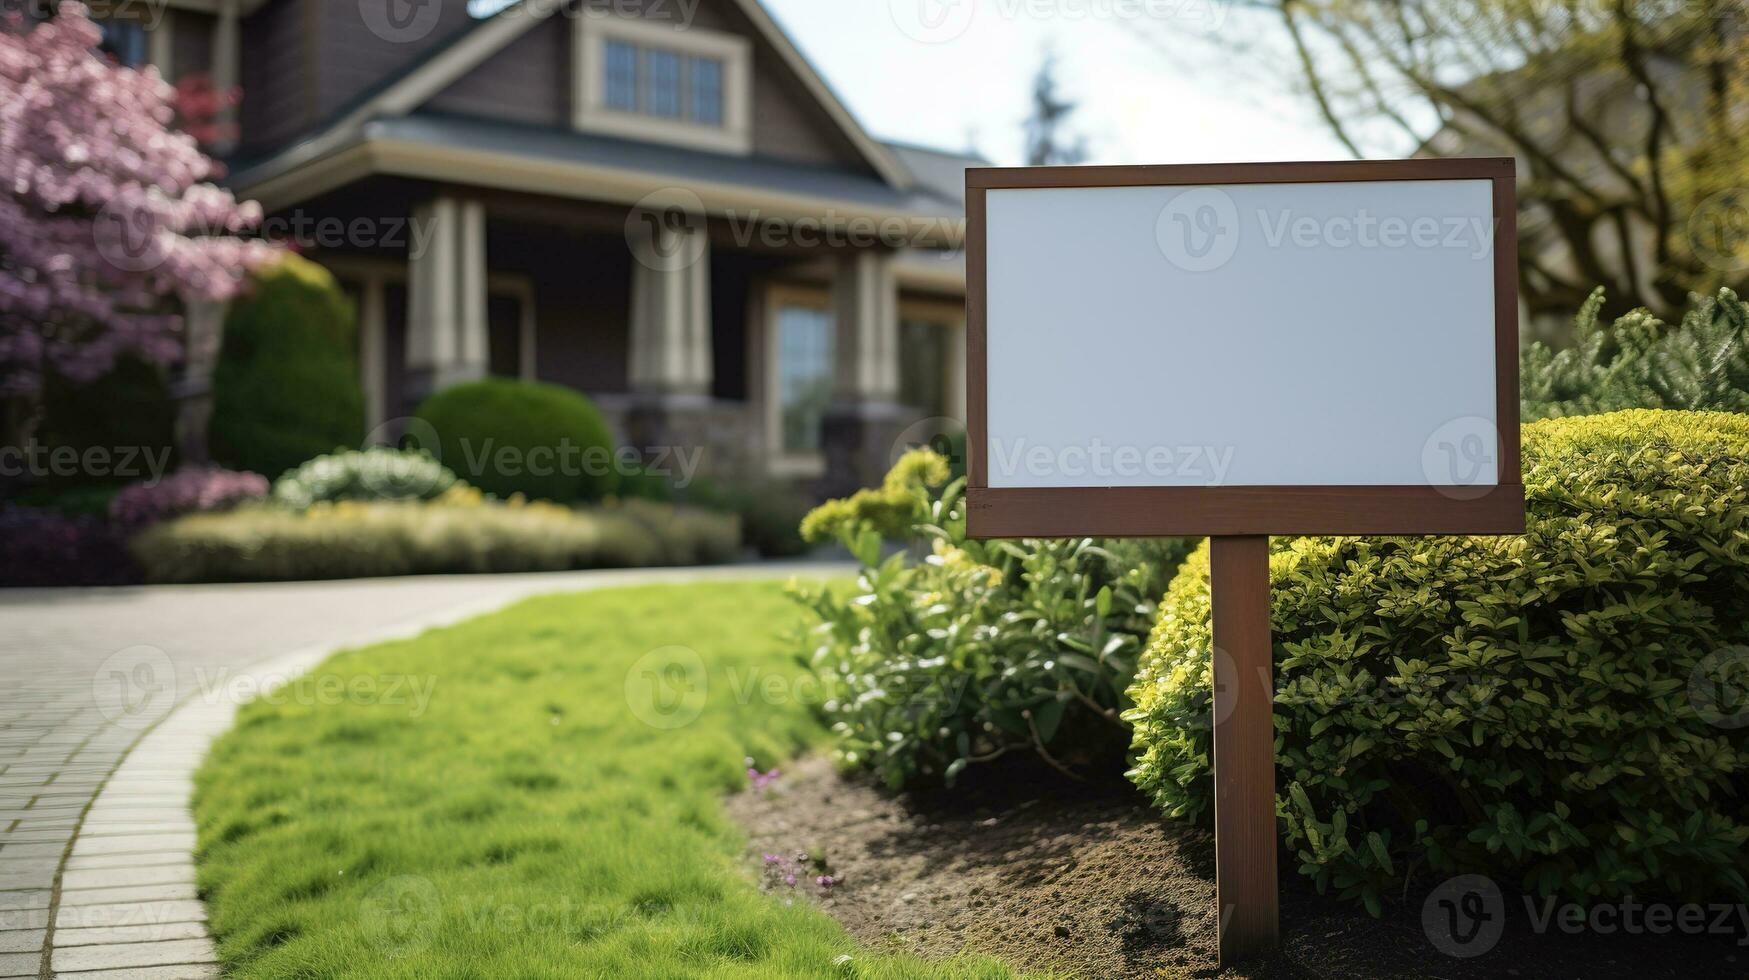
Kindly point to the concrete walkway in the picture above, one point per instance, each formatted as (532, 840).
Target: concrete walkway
(110, 699)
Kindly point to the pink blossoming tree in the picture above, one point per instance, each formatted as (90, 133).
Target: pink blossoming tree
(107, 220)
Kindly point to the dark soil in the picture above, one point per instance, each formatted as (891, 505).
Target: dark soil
(1088, 881)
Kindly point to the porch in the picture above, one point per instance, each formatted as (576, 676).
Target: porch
(782, 349)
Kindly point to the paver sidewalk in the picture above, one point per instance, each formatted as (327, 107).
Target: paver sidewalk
(110, 699)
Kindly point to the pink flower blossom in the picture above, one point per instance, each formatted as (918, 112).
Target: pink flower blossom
(107, 221)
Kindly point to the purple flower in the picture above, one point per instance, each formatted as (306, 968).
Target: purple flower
(190, 490)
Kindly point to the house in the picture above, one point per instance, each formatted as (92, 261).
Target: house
(660, 203)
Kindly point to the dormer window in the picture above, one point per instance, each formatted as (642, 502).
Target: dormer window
(645, 80)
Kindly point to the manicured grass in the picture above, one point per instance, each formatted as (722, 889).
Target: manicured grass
(523, 822)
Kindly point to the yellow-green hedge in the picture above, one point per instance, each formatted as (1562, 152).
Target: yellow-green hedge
(1518, 707)
(459, 533)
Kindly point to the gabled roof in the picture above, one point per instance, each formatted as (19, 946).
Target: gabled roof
(449, 60)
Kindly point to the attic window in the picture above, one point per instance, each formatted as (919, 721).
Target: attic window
(662, 83)
(642, 79)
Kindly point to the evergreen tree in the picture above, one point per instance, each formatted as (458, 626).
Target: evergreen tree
(1701, 363)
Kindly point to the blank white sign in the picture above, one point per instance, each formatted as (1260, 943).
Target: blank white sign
(1314, 334)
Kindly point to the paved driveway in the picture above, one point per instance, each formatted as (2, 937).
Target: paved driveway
(86, 674)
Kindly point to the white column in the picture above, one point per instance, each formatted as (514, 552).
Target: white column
(446, 285)
(226, 46)
(371, 350)
(471, 288)
(956, 372)
(866, 302)
(670, 350)
(159, 50)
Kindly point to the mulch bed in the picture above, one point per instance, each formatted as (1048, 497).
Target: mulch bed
(1087, 880)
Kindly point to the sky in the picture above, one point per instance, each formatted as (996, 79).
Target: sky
(957, 74)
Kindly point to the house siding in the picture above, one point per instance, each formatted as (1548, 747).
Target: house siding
(351, 58)
(528, 81)
(274, 72)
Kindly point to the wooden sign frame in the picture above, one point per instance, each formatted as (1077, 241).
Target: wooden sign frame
(1238, 519)
(1240, 510)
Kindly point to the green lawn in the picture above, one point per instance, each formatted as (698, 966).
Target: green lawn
(484, 801)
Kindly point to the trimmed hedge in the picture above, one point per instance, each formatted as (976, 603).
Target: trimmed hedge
(1519, 707)
(507, 437)
(461, 533)
(286, 385)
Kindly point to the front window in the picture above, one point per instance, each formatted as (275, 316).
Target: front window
(622, 76)
(125, 41)
(804, 376)
(658, 82)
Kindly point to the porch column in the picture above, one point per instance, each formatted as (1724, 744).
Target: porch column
(861, 426)
(226, 48)
(446, 285)
(671, 312)
(865, 296)
(371, 350)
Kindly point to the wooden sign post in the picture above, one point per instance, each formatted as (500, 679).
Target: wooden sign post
(1240, 351)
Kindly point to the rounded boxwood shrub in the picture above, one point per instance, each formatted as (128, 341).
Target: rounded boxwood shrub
(286, 385)
(540, 440)
(380, 473)
(1535, 709)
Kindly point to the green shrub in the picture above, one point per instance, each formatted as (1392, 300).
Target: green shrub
(461, 532)
(1699, 364)
(982, 649)
(286, 385)
(771, 513)
(129, 410)
(686, 536)
(507, 437)
(380, 473)
(1518, 707)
